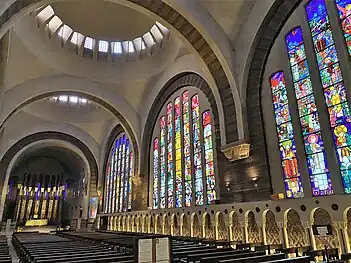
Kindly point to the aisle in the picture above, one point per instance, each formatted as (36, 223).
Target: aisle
(13, 253)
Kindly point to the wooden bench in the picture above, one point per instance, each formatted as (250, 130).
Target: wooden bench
(304, 259)
(198, 256)
(249, 254)
(254, 259)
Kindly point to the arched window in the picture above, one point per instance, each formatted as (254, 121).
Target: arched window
(344, 10)
(308, 114)
(286, 137)
(118, 178)
(332, 81)
(183, 153)
(308, 108)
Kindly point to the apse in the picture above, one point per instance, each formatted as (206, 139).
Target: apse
(47, 186)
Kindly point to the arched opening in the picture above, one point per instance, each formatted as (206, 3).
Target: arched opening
(158, 225)
(321, 216)
(236, 229)
(175, 226)
(134, 224)
(185, 227)
(271, 229)
(48, 183)
(120, 223)
(253, 231)
(145, 224)
(222, 229)
(166, 228)
(195, 226)
(152, 225)
(296, 235)
(140, 224)
(208, 229)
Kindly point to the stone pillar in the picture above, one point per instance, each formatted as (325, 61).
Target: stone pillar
(245, 233)
(283, 235)
(140, 193)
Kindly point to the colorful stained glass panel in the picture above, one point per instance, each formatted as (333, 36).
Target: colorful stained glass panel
(300, 71)
(316, 163)
(327, 57)
(303, 88)
(285, 131)
(323, 40)
(342, 135)
(335, 94)
(339, 114)
(313, 143)
(310, 123)
(306, 105)
(331, 75)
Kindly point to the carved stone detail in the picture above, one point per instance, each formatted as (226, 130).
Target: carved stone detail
(237, 150)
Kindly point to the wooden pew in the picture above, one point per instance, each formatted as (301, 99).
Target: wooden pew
(304, 259)
(198, 256)
(249, 254)
(254, 259)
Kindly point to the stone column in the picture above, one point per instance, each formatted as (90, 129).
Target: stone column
(283, 234)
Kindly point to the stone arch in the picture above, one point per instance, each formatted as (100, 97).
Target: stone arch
(320, 216)
(41, 136)
(134, 224)
(236, 230)
(158, 225)
(145, 224)
(140, 224)
(23, 96)
(128, 223)
(151, 224)
(208, 228)
(125, 223)
(184, 224)
(115, 223)
(186, 29)
(253, 231)
(264, 40)
(221, 227)
(271, 234)
(177, 82)
(295, 233)
(175, 225)
(195, 226)
(166, 228)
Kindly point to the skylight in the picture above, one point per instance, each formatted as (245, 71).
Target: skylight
(71, 100)
(103, 46)
(88, 43)
(63, 98)
(156, 34)
(117, 48)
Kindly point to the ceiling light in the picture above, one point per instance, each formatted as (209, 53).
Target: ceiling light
(88, 43)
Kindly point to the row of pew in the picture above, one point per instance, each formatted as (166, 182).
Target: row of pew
(44, 248)
(4, 250)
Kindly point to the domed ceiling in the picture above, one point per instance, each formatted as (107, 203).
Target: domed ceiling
(103, 20)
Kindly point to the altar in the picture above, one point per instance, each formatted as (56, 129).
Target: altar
(37, 222)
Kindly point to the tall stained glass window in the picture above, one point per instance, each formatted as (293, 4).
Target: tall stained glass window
(344, 10)
(308, 115)
(170, 171)
(286, 139)
(178, 153)
(185, 137)
(118, 178)
(332, 84)
(186, 150)
(210, 177)
(163, 162)
(155, 193)
(199, 188)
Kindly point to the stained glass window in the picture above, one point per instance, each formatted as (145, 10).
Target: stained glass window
(155, 174)
(118, 178)
(210, 177)
(186, 151)
(307, 111)
(344, 10)
(170, 171)
(291, 173)
(332, 79)
(199, 189)
(178, 153)
(186, 140)
(163, 162)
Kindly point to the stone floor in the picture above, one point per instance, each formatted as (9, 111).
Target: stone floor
(13, 253)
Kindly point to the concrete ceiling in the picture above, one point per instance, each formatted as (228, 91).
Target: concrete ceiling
(103, 20)
(230, 14)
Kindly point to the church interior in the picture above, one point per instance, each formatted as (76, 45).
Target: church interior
(175, 131)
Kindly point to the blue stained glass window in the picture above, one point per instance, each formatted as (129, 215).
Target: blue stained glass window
(308, 113)
(118, 176)
(332, 79)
